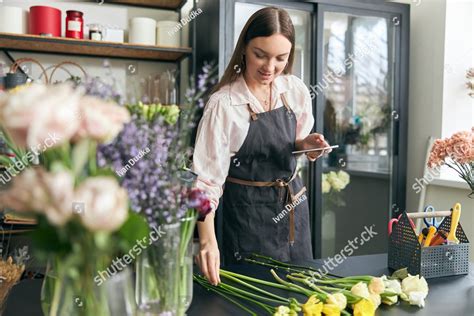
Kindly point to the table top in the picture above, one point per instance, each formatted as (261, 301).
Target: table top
(453, 296)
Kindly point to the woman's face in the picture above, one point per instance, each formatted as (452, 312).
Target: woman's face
(266, 57)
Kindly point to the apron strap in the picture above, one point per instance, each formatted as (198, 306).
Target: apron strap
(289, 200)
(252, 113)
(285, 102)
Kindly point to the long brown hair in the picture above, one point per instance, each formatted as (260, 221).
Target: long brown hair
(264, 22)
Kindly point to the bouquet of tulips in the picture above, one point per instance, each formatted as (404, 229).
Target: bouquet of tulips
(325, 294)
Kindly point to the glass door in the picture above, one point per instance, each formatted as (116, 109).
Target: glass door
(355, 98)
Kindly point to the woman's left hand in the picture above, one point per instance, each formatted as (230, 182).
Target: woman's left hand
(314, 140)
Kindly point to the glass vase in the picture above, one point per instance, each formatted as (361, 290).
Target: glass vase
(120, 294)
(157, 273)
(186, 264)
(70, 291)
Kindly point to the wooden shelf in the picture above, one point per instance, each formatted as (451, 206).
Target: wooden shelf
(68, 46)
(157, 4)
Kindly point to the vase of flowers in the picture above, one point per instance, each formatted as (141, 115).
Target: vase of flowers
(457, 153)
(199, 207)
(151, 156)
(82, 213)
(158, 290)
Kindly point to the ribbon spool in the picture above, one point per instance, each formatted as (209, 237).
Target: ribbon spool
(14, 78)
(60, 65)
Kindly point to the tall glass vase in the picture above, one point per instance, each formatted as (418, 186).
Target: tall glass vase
(66, 291)
(186, 263)
(120, 294)
(157, 273)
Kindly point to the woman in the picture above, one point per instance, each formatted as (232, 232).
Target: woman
(257, 116)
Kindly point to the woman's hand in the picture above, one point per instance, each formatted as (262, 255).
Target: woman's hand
(208, 260)
(314, 140)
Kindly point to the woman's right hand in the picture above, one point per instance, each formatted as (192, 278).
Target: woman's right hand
(208, 260)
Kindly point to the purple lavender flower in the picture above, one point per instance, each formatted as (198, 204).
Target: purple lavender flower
(157, 185)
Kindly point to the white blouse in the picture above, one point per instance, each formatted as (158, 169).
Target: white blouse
(225, 123)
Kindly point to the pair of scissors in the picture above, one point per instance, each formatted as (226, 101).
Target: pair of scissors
(395, 220)
(432, 221)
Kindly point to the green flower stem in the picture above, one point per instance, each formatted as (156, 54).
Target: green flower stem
(214, 289)
(388, 294)
(276, 267)
(92, 158)
(249, 294)
(351, 298)
(65, 153)
(5, 161)
(230, 277)
(291, 285)
(244, 277)
(283, 264)
(57, 293)
(8, 141)
(344, 312)
(264, 306)
(307, 281)
(242, 293)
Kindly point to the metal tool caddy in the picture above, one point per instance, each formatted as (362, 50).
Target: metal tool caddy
(404, 250)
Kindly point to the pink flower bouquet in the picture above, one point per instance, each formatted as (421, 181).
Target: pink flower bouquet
(456, 152)
(82, 212)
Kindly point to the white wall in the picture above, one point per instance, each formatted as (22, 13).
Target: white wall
(441, 42)
(458, 109)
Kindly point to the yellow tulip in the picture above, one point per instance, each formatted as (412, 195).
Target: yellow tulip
(313, 307)
(331, 310)
(364, 308)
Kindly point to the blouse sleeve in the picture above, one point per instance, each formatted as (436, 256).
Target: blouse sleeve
(211, 159)
(304, 115)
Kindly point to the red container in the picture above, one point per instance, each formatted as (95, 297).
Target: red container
(45, 21)
(74, 24)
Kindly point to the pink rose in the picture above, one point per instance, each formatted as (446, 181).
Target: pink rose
(37, 112)
(105, 203)
(46, 193)
(101, 120)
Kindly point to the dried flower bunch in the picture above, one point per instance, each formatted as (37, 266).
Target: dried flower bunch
(10, 274)
(457, 153)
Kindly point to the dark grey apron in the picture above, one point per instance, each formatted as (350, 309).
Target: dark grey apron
(265, 209)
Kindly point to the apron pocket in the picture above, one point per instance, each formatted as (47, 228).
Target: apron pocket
(264, 229)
